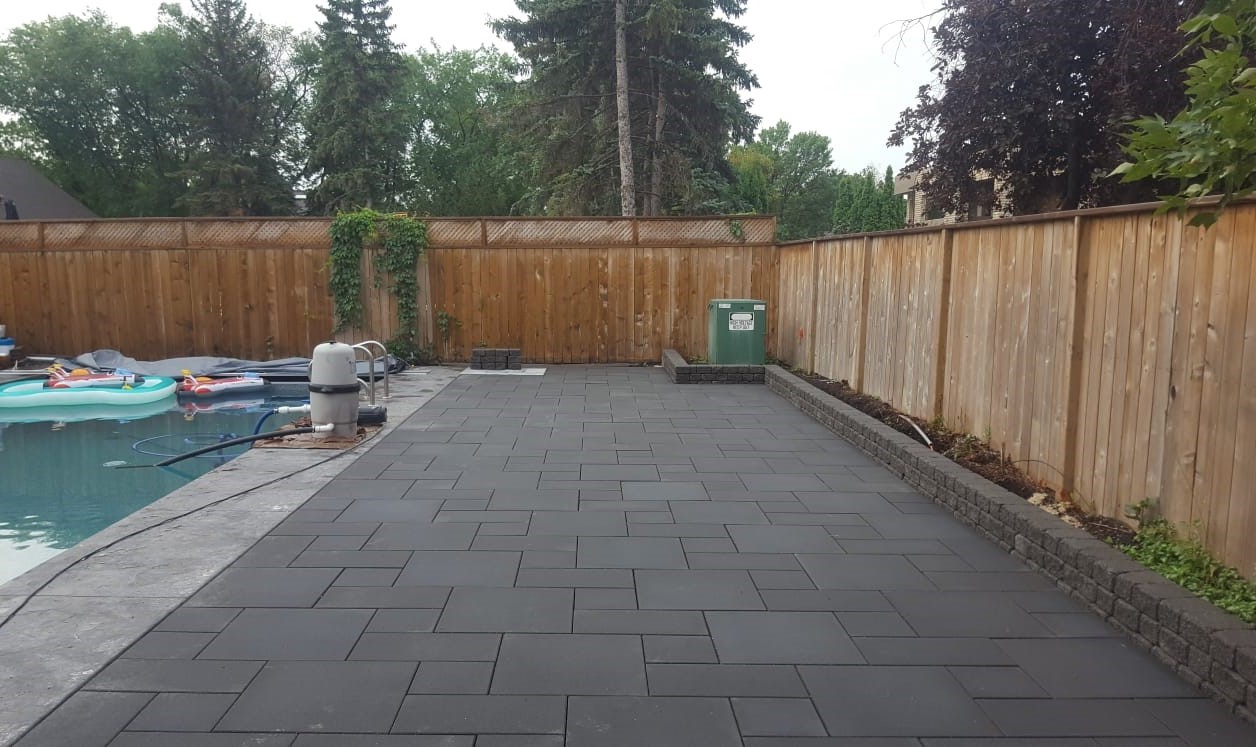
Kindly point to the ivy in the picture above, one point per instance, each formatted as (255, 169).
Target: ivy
(1184, 560)
(401, 241)
(349, 231)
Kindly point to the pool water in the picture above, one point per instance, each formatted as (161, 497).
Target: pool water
(60, 482)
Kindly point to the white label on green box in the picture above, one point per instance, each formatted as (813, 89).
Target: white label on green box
(741, 321)
(726, 306)
(760, 307)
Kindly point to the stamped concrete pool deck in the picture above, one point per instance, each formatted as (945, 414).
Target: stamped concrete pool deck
(593, 557)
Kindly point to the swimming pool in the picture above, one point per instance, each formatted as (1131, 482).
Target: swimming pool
(60, 482)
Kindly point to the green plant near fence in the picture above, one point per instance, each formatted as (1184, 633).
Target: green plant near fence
(401, 241)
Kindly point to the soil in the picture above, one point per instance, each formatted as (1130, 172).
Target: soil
(978, 456)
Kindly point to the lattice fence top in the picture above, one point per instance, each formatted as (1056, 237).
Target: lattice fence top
(306, 233)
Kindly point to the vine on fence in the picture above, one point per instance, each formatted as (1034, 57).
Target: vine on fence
(401, 240)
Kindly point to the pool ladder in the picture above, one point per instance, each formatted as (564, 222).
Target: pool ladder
(368, 347)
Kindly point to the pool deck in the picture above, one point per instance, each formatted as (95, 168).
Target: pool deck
(595, 557)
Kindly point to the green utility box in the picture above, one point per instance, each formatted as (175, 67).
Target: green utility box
(736, 331)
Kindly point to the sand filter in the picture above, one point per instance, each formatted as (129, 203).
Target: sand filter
(334, 389)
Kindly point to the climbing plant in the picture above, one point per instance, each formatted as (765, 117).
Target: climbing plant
(400, 240)
(349, 231)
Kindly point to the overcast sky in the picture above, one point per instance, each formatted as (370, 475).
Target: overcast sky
(830, 66)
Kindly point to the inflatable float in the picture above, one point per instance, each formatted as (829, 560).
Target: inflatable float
(79, 387)
(205, 386)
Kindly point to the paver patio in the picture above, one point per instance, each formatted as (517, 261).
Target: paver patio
(598, 557)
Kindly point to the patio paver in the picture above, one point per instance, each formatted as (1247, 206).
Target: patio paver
(598, 557)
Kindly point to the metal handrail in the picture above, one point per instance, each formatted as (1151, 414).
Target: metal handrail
(364, 346)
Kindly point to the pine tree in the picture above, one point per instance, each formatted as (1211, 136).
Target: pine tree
(684, 84)
(233, 169)
(356, 130)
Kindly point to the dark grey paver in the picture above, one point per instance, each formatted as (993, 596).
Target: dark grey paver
(869, 701)
(333, 696)
(402, 511)
(274, 552)
(265, 587)
(508, 611)
(642, 622)
(997, 682)
(198, 619)
(164, 675)
(1094, 668)
(422, 537)
(630, 552)
(659, 722)
(469, 568)
(1060, 717)
(271, 634)
(933, 651)
(879, 572)
(717, 512)
(874, 624)
(984, 614)
(184, 739)
(570, 664)
(781, 638)
(832, 600)
(375, 597)
(86, 719)
(182, 712)
(367, 577)
(481, 714)
(168, 645)
(679, 649)
(581, 523)
(426, 647)
(665, 491)
(782, 539)
(519, 740)
(453, 677)
(725, 680)
(786, 717)
(697, 590)
(383, 740)
(609, 578)
(351, 559)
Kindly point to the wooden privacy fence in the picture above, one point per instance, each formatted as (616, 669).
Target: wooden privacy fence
(564, 290)
(1108, 352)
(1111, 353)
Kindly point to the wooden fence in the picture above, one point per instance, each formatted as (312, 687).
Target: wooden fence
(563, 290)
(1109, 352)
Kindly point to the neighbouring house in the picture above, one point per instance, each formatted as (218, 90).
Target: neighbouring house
(36, 197)
(921, 213)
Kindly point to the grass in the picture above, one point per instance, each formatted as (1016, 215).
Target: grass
(1184, 560)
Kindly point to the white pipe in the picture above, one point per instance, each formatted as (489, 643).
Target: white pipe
(325, 428)
(289, 409)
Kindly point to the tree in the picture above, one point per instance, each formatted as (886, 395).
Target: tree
(788, 176)
(1210, 146)
(234, 113)
(1032, 92)
(865, 203)
(100, 110)
(463, 158)
(685, 108)
(623, 114)
(356, 127)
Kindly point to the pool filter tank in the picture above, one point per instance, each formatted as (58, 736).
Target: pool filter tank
(334, 389)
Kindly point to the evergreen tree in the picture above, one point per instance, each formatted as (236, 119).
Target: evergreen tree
(684, 84)
(866, 203)
(231, 110)
(356, 126)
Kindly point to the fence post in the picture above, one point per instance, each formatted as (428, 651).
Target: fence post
(944, 320)
(864, 291)
(1081, 275)
(814, 321)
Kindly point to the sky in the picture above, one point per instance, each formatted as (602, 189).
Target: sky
(835, 67)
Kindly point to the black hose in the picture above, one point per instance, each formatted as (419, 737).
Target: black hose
(233, 442)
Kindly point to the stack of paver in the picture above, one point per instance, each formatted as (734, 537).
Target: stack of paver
(496, 359)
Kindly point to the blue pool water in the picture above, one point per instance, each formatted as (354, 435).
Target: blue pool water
(56, 488)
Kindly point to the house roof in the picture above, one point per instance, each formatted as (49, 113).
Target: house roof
(36, 197)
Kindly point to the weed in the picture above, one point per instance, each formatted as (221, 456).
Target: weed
(1159, 546)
